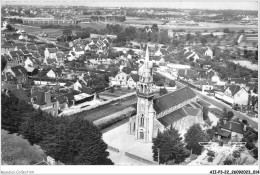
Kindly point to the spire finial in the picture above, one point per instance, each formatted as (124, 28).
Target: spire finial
(147, 54)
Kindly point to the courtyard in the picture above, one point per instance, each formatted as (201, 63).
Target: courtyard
(120, 139)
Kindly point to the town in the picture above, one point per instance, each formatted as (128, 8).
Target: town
(128, 86)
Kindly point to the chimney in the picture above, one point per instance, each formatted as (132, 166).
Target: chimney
(185, 73)
(47, 96)
(19, 86)
(244, 128)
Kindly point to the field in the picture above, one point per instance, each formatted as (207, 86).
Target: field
(143, 21)
(18, 151)
(95, 25)
(247, 64)
(38, 30)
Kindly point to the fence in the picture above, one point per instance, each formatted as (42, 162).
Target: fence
(140, 159)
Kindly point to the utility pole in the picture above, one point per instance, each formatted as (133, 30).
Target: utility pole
(158, 150)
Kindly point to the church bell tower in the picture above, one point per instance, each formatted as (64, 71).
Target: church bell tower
(145, 93)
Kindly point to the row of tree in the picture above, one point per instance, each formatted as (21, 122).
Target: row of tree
(172, 149)
(70, 141)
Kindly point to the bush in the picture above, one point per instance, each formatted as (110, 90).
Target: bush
(228, 161)
(236, 154)
(211, 153)
(210, 159)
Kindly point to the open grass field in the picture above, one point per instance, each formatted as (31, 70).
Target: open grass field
(95, 25)
(18, 151)
(38, 30)
(143, 21)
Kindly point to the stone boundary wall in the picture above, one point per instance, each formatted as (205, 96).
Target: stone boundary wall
(140, 159)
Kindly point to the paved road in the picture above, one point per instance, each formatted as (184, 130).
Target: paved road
(241, 116)
(220, 105)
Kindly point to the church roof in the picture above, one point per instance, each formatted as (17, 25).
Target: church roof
(169, 100)
(174, 116)
(191, 111)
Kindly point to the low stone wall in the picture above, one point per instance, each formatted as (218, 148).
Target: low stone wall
(112, 149)
(98, 105)
(140, 159)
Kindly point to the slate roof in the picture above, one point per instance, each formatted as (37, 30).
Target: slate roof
(234, 89)
(234, 127)
(204, 82)
(40, 97)
(135, 77)
(25, 52)
(19, 71)
(51, 61)
(238, 80)
(6, 57)
(174, 116)
(32, 47)
(191, 111)
(7, 45)
(52, 50)
(223, 133)
(169, 100)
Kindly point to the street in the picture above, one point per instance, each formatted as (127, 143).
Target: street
(241, 116)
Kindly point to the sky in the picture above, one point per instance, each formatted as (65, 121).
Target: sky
(192, 4)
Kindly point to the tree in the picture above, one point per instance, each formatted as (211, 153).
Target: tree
(193, 136)
(67, 33)
(203, 40)
(227, 161)
(155, 27)
(205, 111)
(172, 83)
(236, 154)
(77, 142)
(226, 30)
(170, 146)
(163, 91)
(230, 115)
(245, 121)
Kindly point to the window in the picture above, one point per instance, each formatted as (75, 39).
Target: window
(142, 120)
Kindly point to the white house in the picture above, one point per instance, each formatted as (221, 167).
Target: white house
(205, 85)
(160, 52)
(51, 74)
(50, 53)
(194, 55)
(71, 56)
(209, 53)
(78, 51)
(119, 80)
(233, 130)
(234, 94)
(77, 86)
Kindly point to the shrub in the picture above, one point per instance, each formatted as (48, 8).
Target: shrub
(210, 159)
(211, 153)
(236, 154)
(228, 161)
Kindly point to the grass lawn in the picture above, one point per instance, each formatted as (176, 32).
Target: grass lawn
(18, 151)
(217, 112)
